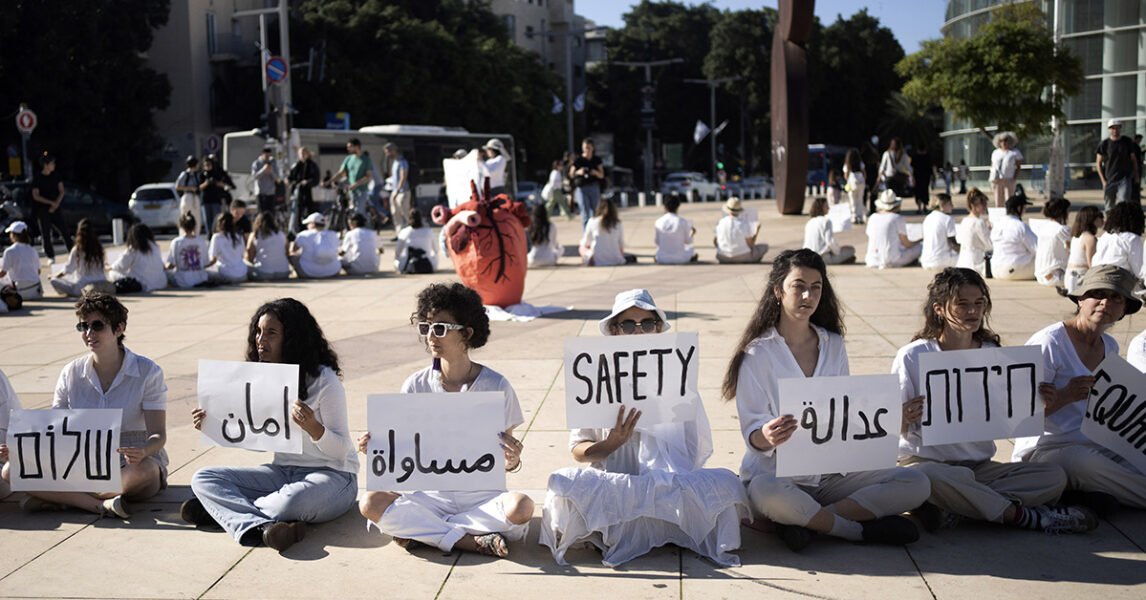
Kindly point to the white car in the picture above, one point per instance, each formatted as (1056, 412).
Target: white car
(156, 205)
(692, 185)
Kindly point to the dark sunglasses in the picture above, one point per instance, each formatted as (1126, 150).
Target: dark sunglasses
(438, 329)
(647, 325)
(96, 326)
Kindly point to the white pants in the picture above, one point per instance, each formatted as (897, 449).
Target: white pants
(754, 256)
(400, 209)
(845, 254)
(984, 490)
(190, 202)
(882, 492)
(442, 518)
(1094, 469)
(1020, 272)
(856, 196)
(1003, 189)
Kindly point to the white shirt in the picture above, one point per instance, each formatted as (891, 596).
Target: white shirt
(974, 238)
(767, 360)
(22, 263)
(1014, 242)
(855, 178)
(547, 253)
(1060, 365)
(819, 237)
(1136, 352)
(937, 252)
(189, 255)
(1004, 163)
(906, 366)
(429, 380)
(1052, 253)
(422, 237)
(674, 239)
(270, 254)
(732, 233)
(1123, 249)
(81, 271)
(228, 252)
(888, 165)
(604, 246)
(319, 252)
(360, 250)
(8, 402)
(493, 168)
(138, 386)
(335, 449)
(554, 183)
(884, 247)
(146, 268)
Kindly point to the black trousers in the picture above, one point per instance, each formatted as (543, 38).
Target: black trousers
(47, 221)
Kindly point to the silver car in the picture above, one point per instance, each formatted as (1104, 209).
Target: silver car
(156, 205)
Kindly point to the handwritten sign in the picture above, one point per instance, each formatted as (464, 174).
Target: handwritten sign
(1115, 415)
(656, 374)
(248, 405)
(458, 175)
(413, 448)
(914, 231)
(57, 450)
(845, 424)
(996, 214)
(979, 395)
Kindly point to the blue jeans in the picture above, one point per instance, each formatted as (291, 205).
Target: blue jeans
(359, 199)
(1117, 190)
(587, 197)
(211, 211)
(241, 498)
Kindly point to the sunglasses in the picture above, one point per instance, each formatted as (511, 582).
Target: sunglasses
(437, 329)
(96, 326)
(647, 325)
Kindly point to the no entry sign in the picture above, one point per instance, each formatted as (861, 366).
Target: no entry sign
(25, 121)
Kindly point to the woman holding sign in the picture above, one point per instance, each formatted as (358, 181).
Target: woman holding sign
(269, 504)
(451, 320)
(797, 331)
(8, 403)
(111, 376)
(965, 482)
(1072, 350)
(652, 479)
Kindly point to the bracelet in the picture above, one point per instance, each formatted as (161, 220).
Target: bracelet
(516, 467)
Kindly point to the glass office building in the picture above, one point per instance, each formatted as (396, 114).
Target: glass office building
(1109, 37)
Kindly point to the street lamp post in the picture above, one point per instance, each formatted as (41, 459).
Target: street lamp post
(568, 35)
(712, 83)
(650, 112)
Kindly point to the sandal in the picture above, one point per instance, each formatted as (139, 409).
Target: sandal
(409, 544)
(491, 544)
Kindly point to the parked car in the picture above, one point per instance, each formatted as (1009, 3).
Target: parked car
(528, 192)
(156, 205)
(760, 186)
(79, 203)
(692, 184)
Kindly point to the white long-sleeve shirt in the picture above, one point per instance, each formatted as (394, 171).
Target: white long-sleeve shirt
(146, 268)
(974, 237)
(335, 449)
(1014, 242)
(819, 237)
(1123, 249)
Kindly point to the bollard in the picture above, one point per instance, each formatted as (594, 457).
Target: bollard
(641, 198)
(625, 199)
(660, 199)
(117, 232)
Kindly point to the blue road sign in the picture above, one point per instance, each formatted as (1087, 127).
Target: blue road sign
(276, 69)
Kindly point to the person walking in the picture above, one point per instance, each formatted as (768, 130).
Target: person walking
(187, 185)
(47, 194)
(1117, 166)
(587, 173)
(358, 170)
(266, 173)
(553, 194)
(399, 183)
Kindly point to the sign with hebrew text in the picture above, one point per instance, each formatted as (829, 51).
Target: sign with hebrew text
(65, 450)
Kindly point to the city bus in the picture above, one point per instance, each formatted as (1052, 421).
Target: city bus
(822, 160)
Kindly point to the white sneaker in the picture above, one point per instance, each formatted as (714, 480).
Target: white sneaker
(1066, 519)
(114, 507)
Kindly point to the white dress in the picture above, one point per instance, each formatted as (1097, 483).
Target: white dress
(604, 246)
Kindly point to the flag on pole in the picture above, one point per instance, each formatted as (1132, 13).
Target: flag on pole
(579, 102)
(700, 131)
(558, 105)
(719, 128)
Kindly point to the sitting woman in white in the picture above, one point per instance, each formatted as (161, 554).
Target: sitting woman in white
(1136, 351)
(187, 256)
(940, 248)
(544, 250)
(1121, 245)
(819, 237)
(651, 477)
(603, 244)
(735, 237)
(1053, 251)
(1083, 243)
(674, 235)
(314, 252)
(451, 320)
(360, 248)
(887, 243)
(8, 403)
(416, 247)
(85, 263)
(142, 261)
(226, 252)
(1014, 242)
(20, 266)
(796, 331)
(974, 235)
(267, 250)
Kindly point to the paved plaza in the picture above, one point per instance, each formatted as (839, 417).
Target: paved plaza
(156, 555)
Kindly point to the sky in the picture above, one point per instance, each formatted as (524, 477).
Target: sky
(910, 20)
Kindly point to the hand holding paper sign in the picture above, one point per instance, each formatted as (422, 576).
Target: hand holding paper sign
(777, 431)
(1076, 389)
(252, 405)
(1115, 416)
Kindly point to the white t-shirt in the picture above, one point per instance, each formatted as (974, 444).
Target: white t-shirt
(888, 166)
(604, 246)
(429, 380)
(22, 263)
(547, 253)
(81, 271)
(189, 255)
(146, 268)
(1004, 163)
(319, 252)
(674, 239)
(937, 252)
(732, 233)
(1052, 253)
(554, 183)
(1014, 242)
(884, 247)
(819, 237)
(360, 250)
(974, 237)
(855, 178)
(228, 252)
(423, 238)
(1060, 364)
(270, 254)
(906, 366)
(1136, 352)
(335, 449)
(8, 402)
(767, 360)
(1123, 249)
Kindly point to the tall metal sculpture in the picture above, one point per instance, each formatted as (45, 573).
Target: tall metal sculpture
(789, 95)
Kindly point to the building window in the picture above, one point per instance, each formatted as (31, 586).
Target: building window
(510, 26)
(212, 47)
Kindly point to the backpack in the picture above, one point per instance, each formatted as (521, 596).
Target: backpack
(11, 297)
(128, 285)
(418, 262)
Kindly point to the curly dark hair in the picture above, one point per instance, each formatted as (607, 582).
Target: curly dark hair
(944, 289)
(303, 342)
(828, 314)
(105, 304)
(463, 304)
(1125, 216)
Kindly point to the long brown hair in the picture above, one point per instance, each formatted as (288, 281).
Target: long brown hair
(768, 310)
(943, 290)
(608, 213)
(265, 225)
(87, 243)
(1085, 221)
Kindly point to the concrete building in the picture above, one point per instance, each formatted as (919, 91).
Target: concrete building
(1109, 36)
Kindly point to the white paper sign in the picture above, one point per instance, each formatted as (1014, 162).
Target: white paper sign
(980, 395)
(443, 442)
(1044, 227)
(915, 231)
(995, 214)
(751, 217)
(1115, 415)
(841, 217)
(57, 450)
(656, 374)
(113, 256)
(58, 268)
(459, 172)
(844, 424)
(248, 405)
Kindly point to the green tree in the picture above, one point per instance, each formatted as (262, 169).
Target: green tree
(741, 47)
(79, 65)
(1009, 74)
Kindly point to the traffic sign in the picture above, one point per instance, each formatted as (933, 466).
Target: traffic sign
(276, 69)
(25, 121)
(213, 144)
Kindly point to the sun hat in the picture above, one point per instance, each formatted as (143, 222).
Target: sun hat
(316, 218)
(495, 144)
(17, 227)
(733, 205)
(1109, 277)
(1114, 123)
(640, 298)
(887, 200)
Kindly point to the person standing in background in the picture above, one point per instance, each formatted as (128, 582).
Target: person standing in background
(214, 182)
(964, 172)
(1006, 161)
(47, 194)
(1117, 165)
(303, 175)
(266, 173)
(400, 201)
(587, 173)
(358, 169)
(187, 186)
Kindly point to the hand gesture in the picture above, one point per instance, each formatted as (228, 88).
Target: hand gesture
(197, 417)
(3, 453)
(303, 415)
(623, 430)
(134, 456)
(912, 412)
(778, 430)
(1076, 389)
(362, 441)
(512, 448)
